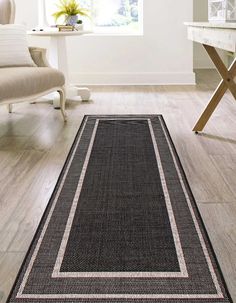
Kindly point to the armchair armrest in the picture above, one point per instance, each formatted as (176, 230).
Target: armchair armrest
(39, 56)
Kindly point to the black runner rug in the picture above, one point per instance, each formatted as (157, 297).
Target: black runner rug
(122, 224)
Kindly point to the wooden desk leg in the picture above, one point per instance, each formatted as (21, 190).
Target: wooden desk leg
(215, 100)
(226, 83)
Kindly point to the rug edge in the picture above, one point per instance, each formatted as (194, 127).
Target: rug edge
(48, 205)
(198, 213)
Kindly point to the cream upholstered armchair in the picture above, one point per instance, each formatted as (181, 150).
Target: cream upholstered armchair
(22, 84)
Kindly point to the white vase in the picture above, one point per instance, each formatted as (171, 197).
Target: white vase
(79, 27)
(72, 20)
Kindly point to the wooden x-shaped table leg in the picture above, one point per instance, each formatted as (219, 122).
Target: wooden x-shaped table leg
(226, 83)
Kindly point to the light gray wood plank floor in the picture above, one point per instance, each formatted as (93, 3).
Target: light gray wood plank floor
(34, 144)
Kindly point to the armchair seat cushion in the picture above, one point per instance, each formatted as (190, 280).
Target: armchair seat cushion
(20, 82)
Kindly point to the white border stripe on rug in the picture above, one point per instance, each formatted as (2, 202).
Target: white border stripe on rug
(121, 296)
(204, 248)
(61, 252)
(180, 274)
(174, 228)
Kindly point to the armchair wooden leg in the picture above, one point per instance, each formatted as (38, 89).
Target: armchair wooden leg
(9, 108)
(62, 104)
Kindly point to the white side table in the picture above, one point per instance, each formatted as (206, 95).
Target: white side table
(58, 59)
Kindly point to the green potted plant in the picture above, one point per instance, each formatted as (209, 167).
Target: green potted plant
(71, 10)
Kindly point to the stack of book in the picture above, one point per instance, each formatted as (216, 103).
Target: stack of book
(65, 28)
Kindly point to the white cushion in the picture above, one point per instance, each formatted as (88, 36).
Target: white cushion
(13, 46)
(20, 82)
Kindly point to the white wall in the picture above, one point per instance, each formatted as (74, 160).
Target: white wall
(163, 55)
(26, 12)
(200, 58)
(200, 13)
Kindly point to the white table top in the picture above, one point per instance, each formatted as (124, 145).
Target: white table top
(48, 33)
(225, 25)
(219, 35)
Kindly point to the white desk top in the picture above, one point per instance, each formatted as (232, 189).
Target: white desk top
(227, 25)
(49, 33)
(219, 35)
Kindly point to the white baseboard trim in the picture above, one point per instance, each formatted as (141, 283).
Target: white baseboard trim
(133, 78)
